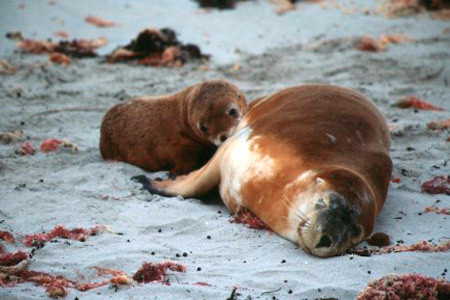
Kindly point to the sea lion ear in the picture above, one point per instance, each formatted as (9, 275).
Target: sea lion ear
(148, 186)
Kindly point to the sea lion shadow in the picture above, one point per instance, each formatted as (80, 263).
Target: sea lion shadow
(212, 198)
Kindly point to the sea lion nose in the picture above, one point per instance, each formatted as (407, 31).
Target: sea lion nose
(325, 241)
(223, 138)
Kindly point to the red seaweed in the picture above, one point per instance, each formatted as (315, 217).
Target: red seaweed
(435, 125)
(75, 48)
(417, 103)
(437, 210)
(79, 234)
(409, 7)
(26, 149)
(60, 59)
(61, 34)
(437, 185)
(422, 246)
(50, 145)
(245, 216)
(156, 272)
(406, 286)
(105, 271)
(7, 237)
(395, 180)
(99, 22)
(12, 258)
(55, 285)
(367, 43)
(201, 283)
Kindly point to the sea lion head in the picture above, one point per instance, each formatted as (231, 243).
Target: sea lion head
(215, 109)
(337, 215)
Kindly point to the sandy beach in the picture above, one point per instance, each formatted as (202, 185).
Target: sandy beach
(260, 52)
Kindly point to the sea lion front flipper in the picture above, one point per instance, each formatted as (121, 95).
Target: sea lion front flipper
(194, 184)
(149, 185)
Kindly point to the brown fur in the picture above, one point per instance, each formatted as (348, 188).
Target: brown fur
(332, 136)
(162, 132)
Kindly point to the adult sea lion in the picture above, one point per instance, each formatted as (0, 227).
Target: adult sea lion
(310, 161)
(177, 132)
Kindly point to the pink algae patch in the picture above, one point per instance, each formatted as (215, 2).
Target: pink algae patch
(417, 103)
(246, 217)
(156, 272)
(201, 283)
(12, 258)
(437, 210)
(439, 125)
(407, 286)
(50, 145)
(422, 246)
(7, 237)
(437, 185)
(79, 234)
(26, 149)
(99, 22)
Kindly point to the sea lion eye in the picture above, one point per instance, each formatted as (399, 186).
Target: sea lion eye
(233, 112)
(203, 128)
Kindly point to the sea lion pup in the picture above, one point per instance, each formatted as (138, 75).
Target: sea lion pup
(177, 132)
(310, 161)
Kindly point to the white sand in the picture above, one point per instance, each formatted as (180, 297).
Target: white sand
(280, 52)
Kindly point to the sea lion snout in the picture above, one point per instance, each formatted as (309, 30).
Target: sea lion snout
(216, 110)
(226, 124)
(332, 226)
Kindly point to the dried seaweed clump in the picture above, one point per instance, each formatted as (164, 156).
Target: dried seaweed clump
(437, 210)
(12, 258)
(79, 234)
(407, 286)
(78, 48)
(437, 185)
(422, 246)
(7, 237)
(367, 43)
(417, 103)
(157, 48)
(50, 145)
(11, 136)
(14, 268)
(246, 217)
(395, 8)
(439, 125)
(26, 148)
(99, 22)
(156, 272)
(6, 68)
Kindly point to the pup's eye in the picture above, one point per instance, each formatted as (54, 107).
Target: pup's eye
(233, 112)
(203, 128)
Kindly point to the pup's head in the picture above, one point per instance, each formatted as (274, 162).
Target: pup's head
(215, 109)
